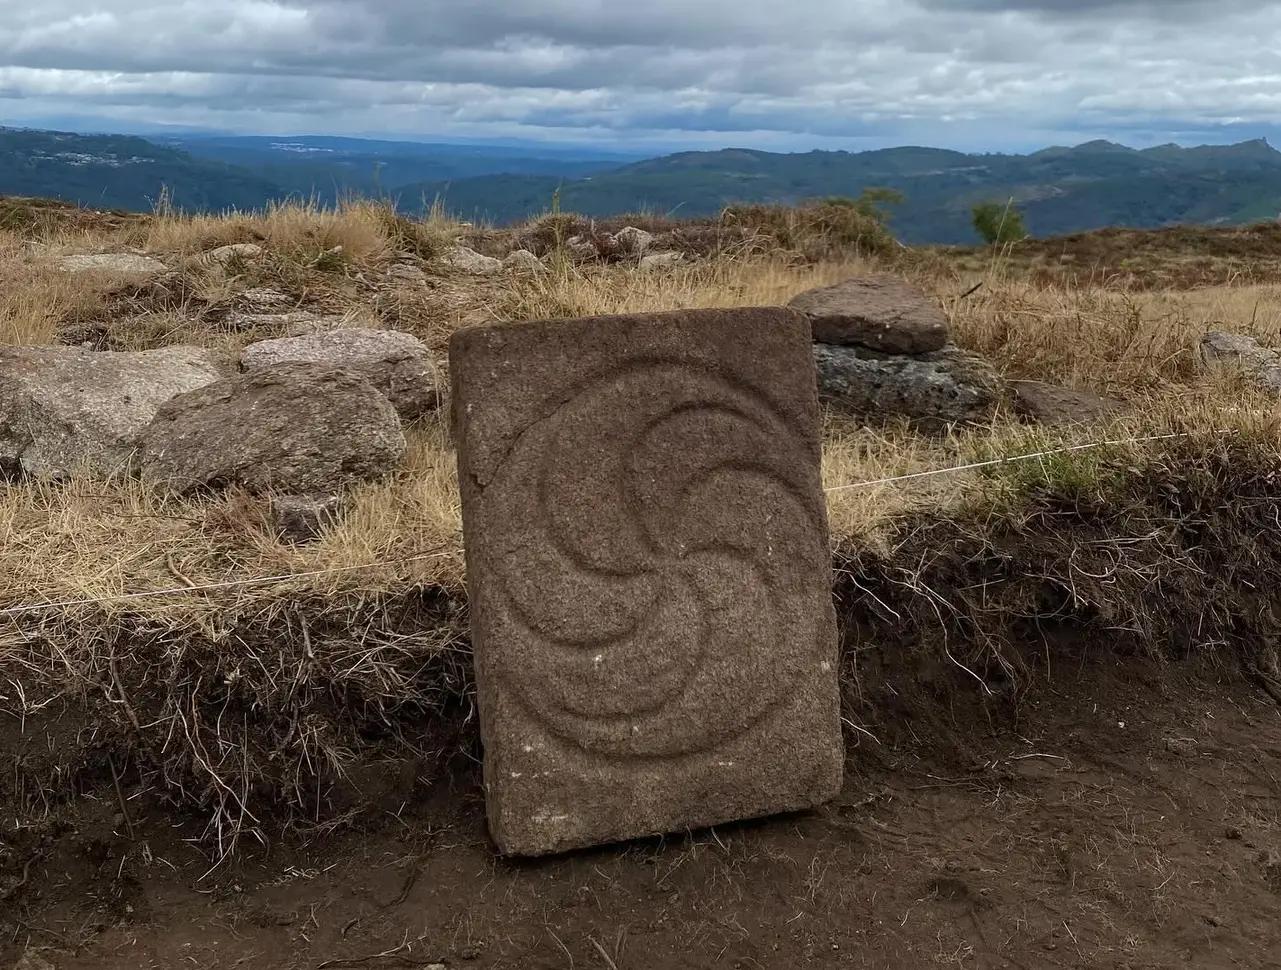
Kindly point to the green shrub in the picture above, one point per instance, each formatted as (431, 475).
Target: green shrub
(999, 223)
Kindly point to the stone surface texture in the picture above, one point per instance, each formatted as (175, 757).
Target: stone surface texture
(523, 261)
(945, 387)
(224, 255)
(67, 409)
(398, 364)
(649, 573)
(291, 428)
(880, 312)
(469, 261)
(1054, 405)
(123, 264)
(634, 241)
(1236, 351)
(660, 261)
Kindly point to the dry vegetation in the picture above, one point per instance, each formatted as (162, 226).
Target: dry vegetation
(253, 696)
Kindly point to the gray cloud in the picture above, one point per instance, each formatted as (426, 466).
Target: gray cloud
(971, 73)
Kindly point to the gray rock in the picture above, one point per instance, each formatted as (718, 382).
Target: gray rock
(633, 241)
(1258, 364)
(582, 248)
(291, 428)
(661, 261)
(940, 388)
(120, 264)
(67, 409)
(880, 312)
(226, 254)
(1054, 405)
(523, 261)
(469, 261)
(302, 518)
(396, 363)
(263, 299)
(649, 573)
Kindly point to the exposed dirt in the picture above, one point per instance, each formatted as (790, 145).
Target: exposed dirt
(1127, 817)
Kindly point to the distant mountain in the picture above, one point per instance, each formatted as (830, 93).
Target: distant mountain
(220, 172)
(328, 168)
(121, 172)
(1059, 189)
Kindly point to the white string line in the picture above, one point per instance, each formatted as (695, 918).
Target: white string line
(284, 577)
(1011, 459)
(230, 584)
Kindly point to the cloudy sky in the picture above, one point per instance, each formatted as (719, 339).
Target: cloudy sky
(784, 74)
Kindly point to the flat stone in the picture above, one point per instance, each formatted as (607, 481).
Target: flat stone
(292, 428)
(65, 410)
(120, 264)
(933, 390)
(292, 323)
(1055, 405)
(398, 364)
(880, 312)
(648, 571)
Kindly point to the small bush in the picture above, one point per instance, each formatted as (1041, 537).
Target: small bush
(999, 223)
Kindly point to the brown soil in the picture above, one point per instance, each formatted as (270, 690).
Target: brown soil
(1127, 816)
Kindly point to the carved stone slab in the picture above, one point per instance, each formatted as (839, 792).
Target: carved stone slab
(648, 571)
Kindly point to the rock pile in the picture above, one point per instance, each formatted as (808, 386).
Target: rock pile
(881, 347)
(303, 418)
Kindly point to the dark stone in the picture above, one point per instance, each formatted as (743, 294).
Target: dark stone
(932, 390)
(649, 573)
(880, 312)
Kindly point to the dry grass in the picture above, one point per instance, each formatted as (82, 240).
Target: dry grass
(343, 660)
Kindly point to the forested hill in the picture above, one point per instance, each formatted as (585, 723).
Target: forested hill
(1059, 190)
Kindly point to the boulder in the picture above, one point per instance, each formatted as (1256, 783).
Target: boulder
(1258, 364)
(1052, 404)
(120, 264)
(633, 241)
(880, 312)
(302, 518)
(67, 409)
(936, 389)
(659, 261)
(523, 261)
(225, 255)
(396, 363)
(469, 261)
(292, 428)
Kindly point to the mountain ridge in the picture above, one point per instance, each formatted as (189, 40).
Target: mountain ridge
(1060, 189)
